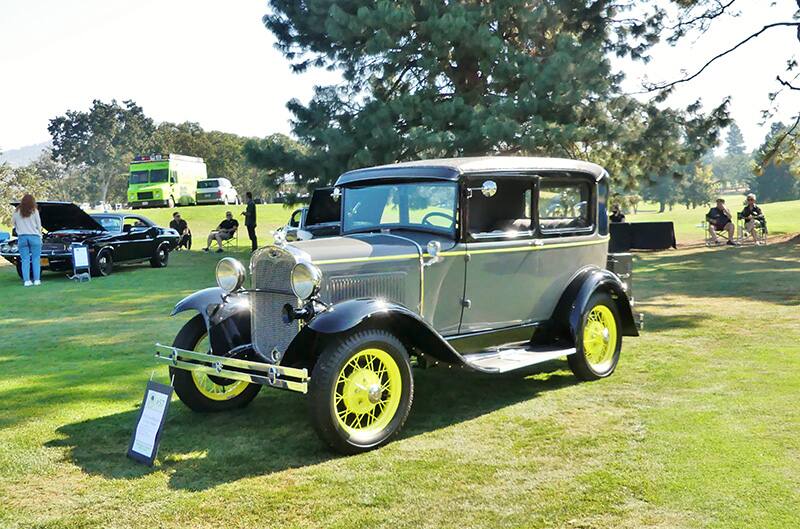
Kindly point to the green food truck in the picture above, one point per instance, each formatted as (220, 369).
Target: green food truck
(164, 180)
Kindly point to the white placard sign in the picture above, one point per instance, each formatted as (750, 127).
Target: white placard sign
(152, 414)
(80, 257)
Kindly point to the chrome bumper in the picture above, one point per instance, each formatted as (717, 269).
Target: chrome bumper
(276, 376)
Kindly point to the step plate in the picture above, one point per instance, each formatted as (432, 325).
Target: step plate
(506, 360)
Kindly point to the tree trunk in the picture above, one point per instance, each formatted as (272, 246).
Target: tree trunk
(661, 207)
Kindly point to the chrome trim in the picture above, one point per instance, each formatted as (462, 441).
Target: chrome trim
(265, 374)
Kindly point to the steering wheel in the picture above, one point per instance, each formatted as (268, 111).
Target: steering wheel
(427, 222)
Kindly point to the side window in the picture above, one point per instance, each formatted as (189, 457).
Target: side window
(507, 214)
(564, 206)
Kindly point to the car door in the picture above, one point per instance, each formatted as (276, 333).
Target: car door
(503, 264)
(567, 217)
(140, 240)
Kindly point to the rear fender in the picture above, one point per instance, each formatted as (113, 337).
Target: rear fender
(227, 318)
(349, 316)
(569, 312)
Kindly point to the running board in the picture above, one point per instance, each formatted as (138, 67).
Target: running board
(505, 360)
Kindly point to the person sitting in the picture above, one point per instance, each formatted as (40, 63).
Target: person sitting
(752, 213)
(226, 230)
(180, 225)
(616, 214)
(719, 219)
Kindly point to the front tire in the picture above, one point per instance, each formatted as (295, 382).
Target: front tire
(199, 391)
(103, 263)
(599, 341)
(361, 391)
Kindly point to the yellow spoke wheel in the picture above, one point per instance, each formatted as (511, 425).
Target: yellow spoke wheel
(211, 390)
(367, 392)
(600, 338)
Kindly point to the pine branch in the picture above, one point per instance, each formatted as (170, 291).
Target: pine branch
(769, 155)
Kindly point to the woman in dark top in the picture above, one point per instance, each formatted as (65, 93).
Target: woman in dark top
(616, 214)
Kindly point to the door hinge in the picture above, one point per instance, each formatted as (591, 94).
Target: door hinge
(466, 303)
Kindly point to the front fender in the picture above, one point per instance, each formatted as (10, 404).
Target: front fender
(227, 318)
(354, 314)
(574, 300)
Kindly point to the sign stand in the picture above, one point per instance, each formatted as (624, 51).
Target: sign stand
(81, 269)
(150, 423)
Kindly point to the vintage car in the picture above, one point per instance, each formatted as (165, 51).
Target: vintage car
(319, 219)
(489, 264)
(111, 238)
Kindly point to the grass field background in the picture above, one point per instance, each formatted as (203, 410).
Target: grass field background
(699, 426)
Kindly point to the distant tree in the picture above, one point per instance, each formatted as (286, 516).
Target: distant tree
(699, 189)
(15, 182)
(431, 79)
(733, 170)
(778, 180)
(101, 143)
(282, 161)
(735, 141)
(664, 191)
(7, 192)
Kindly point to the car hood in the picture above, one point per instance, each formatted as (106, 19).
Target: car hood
(65, 216)
(359, 247)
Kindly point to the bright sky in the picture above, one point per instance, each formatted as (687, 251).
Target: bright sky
(214, 62)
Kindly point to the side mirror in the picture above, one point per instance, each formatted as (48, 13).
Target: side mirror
(303, 235)
(434, 249)
(487, 189)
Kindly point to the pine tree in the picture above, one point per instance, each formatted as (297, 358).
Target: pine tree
(735, 140)
(432, 79)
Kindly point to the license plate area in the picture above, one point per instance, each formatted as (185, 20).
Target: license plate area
(44, 261)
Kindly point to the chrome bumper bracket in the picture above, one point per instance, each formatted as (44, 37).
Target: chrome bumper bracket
(272, 375)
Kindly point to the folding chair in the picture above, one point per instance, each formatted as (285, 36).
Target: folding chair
(760, 227)
(233, 241)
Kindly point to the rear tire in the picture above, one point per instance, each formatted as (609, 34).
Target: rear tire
(361, 391)
(161, 257)
(599, 339)
(200, 392)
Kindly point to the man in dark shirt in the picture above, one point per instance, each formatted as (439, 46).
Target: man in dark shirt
(752, 213)
(616, 214)
(719, 219)
(226, 229)
(250, 220)
(180, 225)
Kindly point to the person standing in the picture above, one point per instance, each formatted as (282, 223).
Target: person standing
(250, 220)
(28, 226)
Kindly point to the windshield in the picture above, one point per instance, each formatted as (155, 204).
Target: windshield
(207, 184)
(428, 206)
(138, 177)
(109, 223)
(158, 175)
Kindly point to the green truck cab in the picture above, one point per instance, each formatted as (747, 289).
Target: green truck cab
(164, 180)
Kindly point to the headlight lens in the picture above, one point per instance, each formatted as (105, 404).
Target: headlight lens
(305, 280)
(230, 274)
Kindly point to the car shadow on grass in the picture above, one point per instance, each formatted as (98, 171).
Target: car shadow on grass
(201, 451)
(764, 273)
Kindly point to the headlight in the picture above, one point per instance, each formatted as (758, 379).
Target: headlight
(230, 274)
(305, 280)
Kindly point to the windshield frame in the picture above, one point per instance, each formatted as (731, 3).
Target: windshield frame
(451, 233)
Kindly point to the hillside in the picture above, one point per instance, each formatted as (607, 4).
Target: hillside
(23, 155)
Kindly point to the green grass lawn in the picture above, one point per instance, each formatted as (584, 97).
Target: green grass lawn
(782, 217)
(699, 427)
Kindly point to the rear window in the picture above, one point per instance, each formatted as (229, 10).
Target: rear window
(564, 206)
(207, 184)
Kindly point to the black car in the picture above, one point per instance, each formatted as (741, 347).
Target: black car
(111, 238)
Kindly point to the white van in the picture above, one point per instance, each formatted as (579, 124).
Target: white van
(216, 191)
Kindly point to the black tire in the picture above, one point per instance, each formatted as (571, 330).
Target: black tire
(103, 264)
(579, 362)
(190, 335)
(326, 383)
(160, 259)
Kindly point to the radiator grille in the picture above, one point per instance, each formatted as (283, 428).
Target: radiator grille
(389, 286)
(271, 269)
(145, 195)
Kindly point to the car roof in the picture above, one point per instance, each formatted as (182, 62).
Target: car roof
(453, 169)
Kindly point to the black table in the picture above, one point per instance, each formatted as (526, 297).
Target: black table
(641, 236)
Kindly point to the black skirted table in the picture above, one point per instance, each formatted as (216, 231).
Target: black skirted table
(641, 236)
